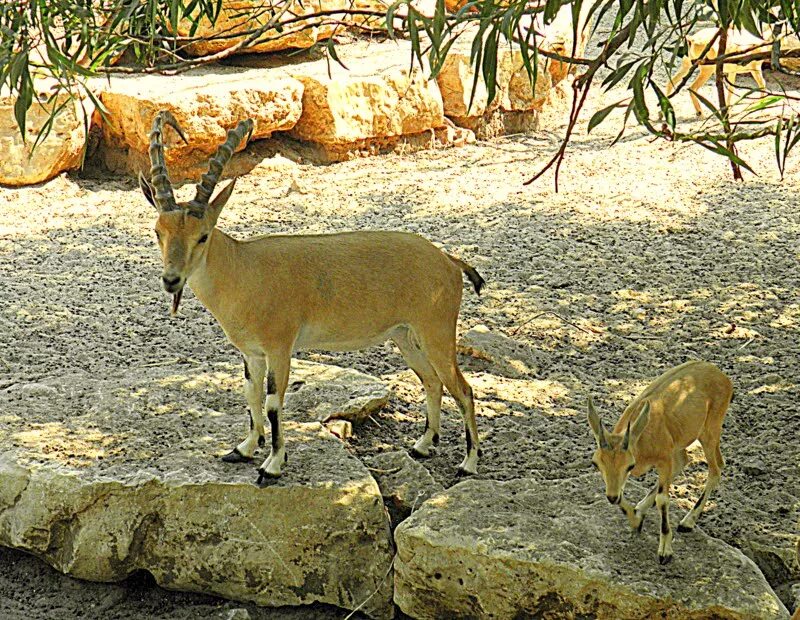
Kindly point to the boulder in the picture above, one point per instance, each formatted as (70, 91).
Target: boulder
(559, 37)
(374, 22)
(404, 483)
(206, 102)
(505, 355)
(515, 92)
(61, 150)
(119, 474)
(530, 548)
(243, 16)
(373, 103)
(321, 393)
(516, 95)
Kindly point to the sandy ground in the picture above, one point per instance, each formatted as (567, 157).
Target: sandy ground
(649, 256)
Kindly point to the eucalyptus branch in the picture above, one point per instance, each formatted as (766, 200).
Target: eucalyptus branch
(581, 87)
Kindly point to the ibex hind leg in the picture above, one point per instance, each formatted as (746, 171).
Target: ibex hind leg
(441, 353)
(417, 361)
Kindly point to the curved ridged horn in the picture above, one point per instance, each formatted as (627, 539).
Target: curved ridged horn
(215, 165)
(164, 198)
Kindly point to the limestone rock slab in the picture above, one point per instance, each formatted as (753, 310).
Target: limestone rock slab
(243, 16)
(515, 91)
(60, 151)
(320, 393)
(102, 477)
(376, 97)
(530, 548)
(206, 102)
(404, 483)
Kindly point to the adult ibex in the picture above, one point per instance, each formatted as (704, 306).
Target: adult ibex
(686, 403)
(279, 293)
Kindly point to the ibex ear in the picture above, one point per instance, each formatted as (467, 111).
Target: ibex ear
(147, 190)
(641, 423)
(215, 206)
(597, 425)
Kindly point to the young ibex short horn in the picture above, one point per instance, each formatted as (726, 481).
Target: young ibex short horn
(276, 294)
(686, 403)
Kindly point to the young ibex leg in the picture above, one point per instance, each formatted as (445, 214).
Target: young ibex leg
(254, 368)
(662, 501)
(417, 361)
(645, 504)
(686, 69)
(706, 71)
(629, 510)
(277, 381)
(715, 463)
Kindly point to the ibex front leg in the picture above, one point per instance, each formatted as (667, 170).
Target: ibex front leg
(277, 381)
(254, 368)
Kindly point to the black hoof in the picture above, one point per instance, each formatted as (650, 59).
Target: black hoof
(640, 526)
(415, 453)
(683, 528)
(264, 475)
(664, 559)
(234, 456)
(262, 441)
(436, 440)
(463, 473)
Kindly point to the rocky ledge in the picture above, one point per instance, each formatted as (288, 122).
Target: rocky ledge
(530, 548)
(123, 474)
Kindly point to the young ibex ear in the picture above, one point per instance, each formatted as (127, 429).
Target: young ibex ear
(216, 204)
(641, 423)
(597, 425)
(147, 190)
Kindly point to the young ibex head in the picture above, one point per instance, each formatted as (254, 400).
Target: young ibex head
(183, 229)
(614, 455)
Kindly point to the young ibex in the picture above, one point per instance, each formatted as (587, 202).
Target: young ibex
(686, 403)
(276, 294)
(739, 41)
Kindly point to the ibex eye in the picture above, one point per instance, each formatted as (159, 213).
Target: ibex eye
(203, 239)
(630, 467)
(595, 465)
(158, 235)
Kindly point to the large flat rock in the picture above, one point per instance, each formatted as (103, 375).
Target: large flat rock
(101, 477)
(60, 151)
(207, 102)
(374, 101)
(244, 16)
(530, 548)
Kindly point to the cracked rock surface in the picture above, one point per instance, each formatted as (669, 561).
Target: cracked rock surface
(132, 481)
(488, 549)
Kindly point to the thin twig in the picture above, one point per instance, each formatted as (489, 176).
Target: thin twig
(364, 602)
(558, 316)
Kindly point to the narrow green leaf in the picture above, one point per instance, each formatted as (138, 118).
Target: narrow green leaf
(599, 116)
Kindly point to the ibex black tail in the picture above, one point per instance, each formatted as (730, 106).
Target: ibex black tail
(471, 272)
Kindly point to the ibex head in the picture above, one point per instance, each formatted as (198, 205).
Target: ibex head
(183, 229)
(614, 455)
